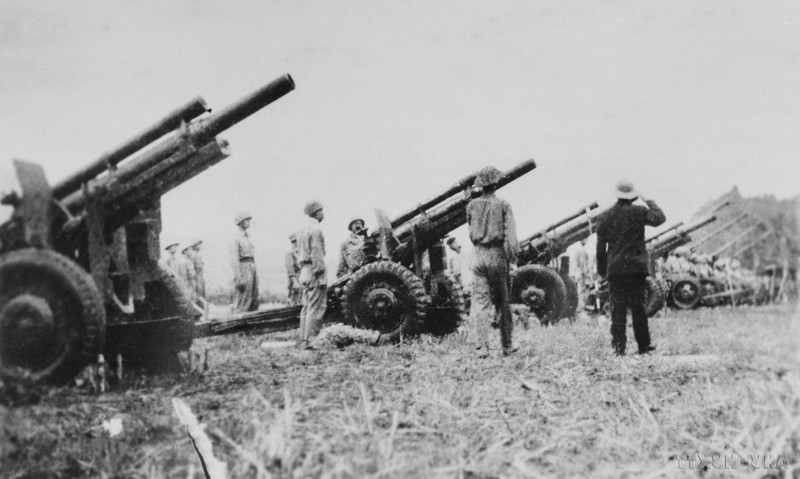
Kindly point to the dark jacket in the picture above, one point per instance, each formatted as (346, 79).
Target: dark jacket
(620, 238)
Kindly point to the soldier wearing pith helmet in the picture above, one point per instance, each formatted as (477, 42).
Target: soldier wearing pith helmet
(313, 274)
(242, 256)
(352, 248)
(493, 232)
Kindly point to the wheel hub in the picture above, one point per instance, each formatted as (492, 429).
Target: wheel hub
(383, 307)
(26, 326)
(533, 297)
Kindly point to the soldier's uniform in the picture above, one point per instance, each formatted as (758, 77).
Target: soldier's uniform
(351, 251)
(187, 273)
(293, 271)
(199, 273)
(194, 274)
(245, 278)
(313, 274)
(581, 272)
(173, 260)
(492, 230)
(454, 260)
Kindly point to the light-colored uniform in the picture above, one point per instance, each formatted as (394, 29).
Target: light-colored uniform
(313, 278)
(454, 265)
(581, 272)
(292, 272)
(351, 254)
(493, 231)
(245, 278)
(187, 274)
(199, 275)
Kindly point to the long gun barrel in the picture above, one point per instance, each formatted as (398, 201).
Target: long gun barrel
(738, 237)
(446, 217)
(554, 240)
(463, 184)
(721, 229)
(195, 136)
(662, 233)
(678, 237)
(172, 121)
(752, 244)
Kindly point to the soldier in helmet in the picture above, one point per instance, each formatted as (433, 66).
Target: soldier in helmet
(313, 275)
(292, 271)
(622, 258)
(192, 253)
(187, 273)
(173, 260)
(352, 248)
(493, 231)
(245, 278)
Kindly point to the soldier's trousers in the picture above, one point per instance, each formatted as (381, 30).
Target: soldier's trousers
(314, 298)
(627, 291)
(247, 299)
(490, 292)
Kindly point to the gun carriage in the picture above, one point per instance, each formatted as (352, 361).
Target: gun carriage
(79, 261)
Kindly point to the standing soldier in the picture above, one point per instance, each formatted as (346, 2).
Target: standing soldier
(187, 273)
(493, 232)
(622, 258)
(352, 249)
(244, 267)
(313, 275)
(173, 261)
(192, 253)
(454, 259)
(581, 272)
(292, 271)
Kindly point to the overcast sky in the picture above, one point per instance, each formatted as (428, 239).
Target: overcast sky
(396, 100)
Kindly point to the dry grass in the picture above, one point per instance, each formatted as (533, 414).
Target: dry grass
(722, 382)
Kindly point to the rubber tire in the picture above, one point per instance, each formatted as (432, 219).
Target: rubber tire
(65, 287)
(544, 278)
(445, 314)
(654, 297)
(571, 301)
(679, 300)
(408, 288)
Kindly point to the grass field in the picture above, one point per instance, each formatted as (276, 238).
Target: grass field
(721, 382)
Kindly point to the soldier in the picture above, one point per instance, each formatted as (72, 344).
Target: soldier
(581, 272)
(192, 253)
(454, 259)
(243, 265)
(313, 275)
(352, 248)
(173, 261)
(187, 273)
(292, 271)
(622, 258)
(493, 232)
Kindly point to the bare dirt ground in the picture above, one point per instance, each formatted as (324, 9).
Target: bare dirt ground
(721, 382)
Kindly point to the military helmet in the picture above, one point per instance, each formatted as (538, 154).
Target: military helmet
(312, 207)
(355, 218)
(488, 176)
(293, 237)
(170, 245)
(242, 216)
(191, 244)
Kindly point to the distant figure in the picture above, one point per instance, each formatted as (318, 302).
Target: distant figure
(454, 259)
(581, 272)
(293, 271)
(187, 273)
(192, 253)
(622, 258)
(494, 233)
(352, 248)
(173, 260)
(313, 275)
(243, 264)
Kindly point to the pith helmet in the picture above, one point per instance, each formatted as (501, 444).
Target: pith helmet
(624, 190)
(355, 218)
(242, 216)
(487, 176)
(312, 207)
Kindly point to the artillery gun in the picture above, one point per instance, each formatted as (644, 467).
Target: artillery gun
(394, 291)
(549, 293)
(79, 262)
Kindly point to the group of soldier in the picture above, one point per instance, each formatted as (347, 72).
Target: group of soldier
(187, 263)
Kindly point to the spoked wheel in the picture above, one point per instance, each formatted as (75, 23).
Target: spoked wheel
(686, 293)
(541, 289)
(571, 298)
(447, 309)
(162, 326)
(654, 297)
(52, 321)
(386, 297)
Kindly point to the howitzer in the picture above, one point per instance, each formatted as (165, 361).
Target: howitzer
(549, 293)
(676, 237)
(719, 230)
(736, 239)
(394, 291)
(79, 263)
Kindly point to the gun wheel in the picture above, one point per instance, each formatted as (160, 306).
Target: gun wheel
(447, 309)
(654, 297)
(386, 297)
(52, 320)
(541, 289)
(571, 299)
(163, 325)
(686, 293)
